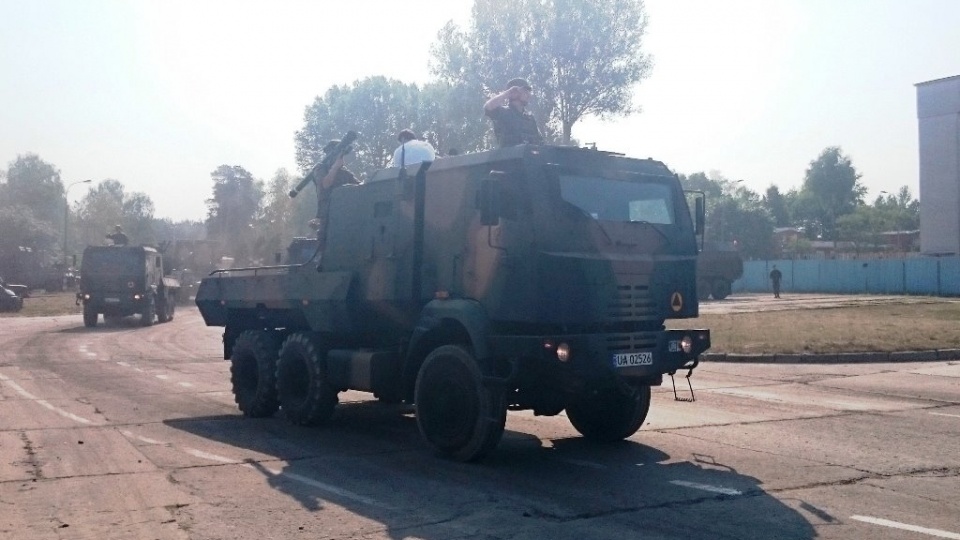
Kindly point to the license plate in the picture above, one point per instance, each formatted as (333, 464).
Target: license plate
(111, 300)
(633, 359)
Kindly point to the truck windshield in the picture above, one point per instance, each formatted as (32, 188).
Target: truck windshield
(113, 262)
(609, 199)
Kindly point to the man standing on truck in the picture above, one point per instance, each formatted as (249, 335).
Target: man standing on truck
(118, 237)
(338, 175)
(512, 123)
(412, 150)
(775, 277)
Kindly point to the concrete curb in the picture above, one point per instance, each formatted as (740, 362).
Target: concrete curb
(839, 358)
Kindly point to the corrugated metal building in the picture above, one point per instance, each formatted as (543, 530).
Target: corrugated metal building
(938, 115)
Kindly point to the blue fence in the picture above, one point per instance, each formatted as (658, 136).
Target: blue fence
(922, 276)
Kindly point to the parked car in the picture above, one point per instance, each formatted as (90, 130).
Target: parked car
(9, 300)
(20, 290)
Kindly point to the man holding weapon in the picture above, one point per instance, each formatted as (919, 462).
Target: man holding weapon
(327, 175)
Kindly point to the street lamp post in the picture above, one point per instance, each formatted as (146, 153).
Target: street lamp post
(66, 215)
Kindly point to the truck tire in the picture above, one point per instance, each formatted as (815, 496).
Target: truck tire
(610, 416)
(89, 316)
(457, 414)
(149, 311)
(165, 310)
(253, 373)
(306, 396)
(721, 289)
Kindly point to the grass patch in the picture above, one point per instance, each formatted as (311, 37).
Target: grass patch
(47, 305)
(880, 328)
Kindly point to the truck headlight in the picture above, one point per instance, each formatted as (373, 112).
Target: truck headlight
(686, 344)
(563, 352)
(136, 297)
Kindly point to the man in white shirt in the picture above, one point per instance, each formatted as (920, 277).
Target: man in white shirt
(411, 150)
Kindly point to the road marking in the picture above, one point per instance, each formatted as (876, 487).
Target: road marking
(340, 492)
(185, 384)
(207, 455)
(141, 439)
(163, 377)
(945, 414)
(19, 389)
(124, 364)
(707, 487)
(906, 527)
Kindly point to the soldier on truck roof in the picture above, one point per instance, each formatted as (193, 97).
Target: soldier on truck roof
(337, 176)
(512, 123)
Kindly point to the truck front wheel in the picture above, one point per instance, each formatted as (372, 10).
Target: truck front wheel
(610, 416)
(149, 310)
(253, 373)
(90, 316)
(457, 414)
(306, 396)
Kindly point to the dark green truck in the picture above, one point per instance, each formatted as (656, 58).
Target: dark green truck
(527, 278)
(118, 281)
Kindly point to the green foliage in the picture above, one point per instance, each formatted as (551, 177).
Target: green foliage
(22, 228)
(831, 188)
(233, 210)
(583, 58)
(107, 205)
(735, 215)
(776, 204)
(35, 184)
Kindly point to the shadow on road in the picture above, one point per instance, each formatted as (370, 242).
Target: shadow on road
(371, 461)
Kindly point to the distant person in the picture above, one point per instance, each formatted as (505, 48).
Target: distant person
(337, 176)
(118, 237)
(412, 150)
(512, 122)
(775, 277)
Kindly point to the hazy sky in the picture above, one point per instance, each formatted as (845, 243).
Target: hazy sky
(157, 94)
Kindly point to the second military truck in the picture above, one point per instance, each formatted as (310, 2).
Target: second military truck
(118, 281)
(526, 278)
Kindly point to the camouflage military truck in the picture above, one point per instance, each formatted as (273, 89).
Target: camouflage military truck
(718, 266)
(119, 281)
(526, 278)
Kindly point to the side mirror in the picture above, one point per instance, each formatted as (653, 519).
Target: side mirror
(701, 216)
(491, 190)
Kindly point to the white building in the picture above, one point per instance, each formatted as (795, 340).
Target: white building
(938, 115)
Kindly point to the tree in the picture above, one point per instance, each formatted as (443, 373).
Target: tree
(776, 204)
(233, 210)
(35, 184)
(375, 107)
(734, 214)
(21, 229)
(107, 205)
(583, 58)
(831, 188)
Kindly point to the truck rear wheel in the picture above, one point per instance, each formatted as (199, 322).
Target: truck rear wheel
(253, 373)
(306, 396)
(721, 289)
(457, 414)
(165, 310)
(90, 316)
(703, 289)
(149, 311)
(610, 416)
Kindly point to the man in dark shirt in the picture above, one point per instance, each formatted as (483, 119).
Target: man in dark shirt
(512, 123)
(337, 176)
(118, 237)
(776, 276)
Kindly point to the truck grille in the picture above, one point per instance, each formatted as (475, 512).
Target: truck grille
(631, 342)
(631, 303)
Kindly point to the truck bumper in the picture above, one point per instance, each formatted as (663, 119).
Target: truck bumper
(114, 304)
(640, 357)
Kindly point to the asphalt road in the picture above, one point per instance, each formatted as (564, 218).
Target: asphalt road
(131, 433)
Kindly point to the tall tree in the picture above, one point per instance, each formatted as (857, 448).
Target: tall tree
(584, 58)
(36, 184)
(776, 204)
(831, 188)
(108, 204)
(233, 210)
(375, 107)
(735, 215)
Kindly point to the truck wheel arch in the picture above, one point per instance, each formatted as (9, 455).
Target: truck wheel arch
(445, 322)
